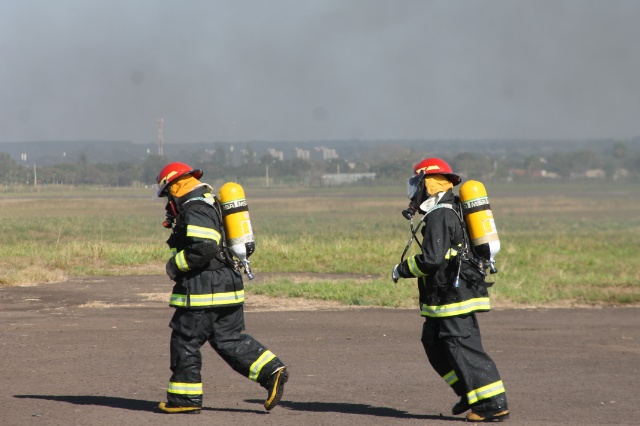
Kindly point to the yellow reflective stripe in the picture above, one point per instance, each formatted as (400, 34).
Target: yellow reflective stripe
(450, 378)
(204, 233)
(485, 392)
(205, 300)
(181, 262)
(413, 264)
(453, 309)
(413, 267)
(452, 252)
(185, 388)
(256, 367)
(174, 250)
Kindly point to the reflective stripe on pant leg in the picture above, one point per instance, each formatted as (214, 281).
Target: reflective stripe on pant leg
(185, 388)
(482, 382)
(256, 367)
(242, 352)
(488, 391)
(451, 378)
(438, 355)
(185, 384)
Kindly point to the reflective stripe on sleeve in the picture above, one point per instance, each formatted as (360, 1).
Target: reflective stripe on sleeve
(412, 263)
(181, 262)
(204, 233)
(413, 267)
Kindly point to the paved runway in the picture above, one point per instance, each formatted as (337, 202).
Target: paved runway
(95, 352)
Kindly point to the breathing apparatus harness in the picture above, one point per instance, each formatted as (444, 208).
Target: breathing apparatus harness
(224, 255)
(465, 254)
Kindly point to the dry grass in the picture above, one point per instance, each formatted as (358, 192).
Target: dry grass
(560, 243)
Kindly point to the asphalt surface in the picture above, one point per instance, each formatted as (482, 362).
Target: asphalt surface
(96, 352)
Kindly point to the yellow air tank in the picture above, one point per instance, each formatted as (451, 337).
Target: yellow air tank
(237, 224)
(480, 222)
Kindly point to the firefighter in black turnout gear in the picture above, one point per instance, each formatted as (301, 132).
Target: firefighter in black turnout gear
(208, 296)
(452, 289)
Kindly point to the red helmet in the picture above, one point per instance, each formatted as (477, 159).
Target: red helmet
(436, 166)
(172, 172)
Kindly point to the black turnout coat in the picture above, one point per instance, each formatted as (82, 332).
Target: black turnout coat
(436, 267)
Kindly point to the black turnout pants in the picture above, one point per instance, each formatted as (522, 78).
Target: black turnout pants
(454, 349)
(222, 328)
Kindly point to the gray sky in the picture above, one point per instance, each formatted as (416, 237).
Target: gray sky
(318, 69)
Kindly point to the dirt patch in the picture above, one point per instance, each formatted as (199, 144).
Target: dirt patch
(258, 303)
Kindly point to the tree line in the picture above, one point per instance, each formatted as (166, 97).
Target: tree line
(390, 165)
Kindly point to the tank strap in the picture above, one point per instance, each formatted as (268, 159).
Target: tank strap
(208, 200)
(225, 253)
(465, 245)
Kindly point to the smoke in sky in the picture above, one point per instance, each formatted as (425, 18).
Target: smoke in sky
(318, 69)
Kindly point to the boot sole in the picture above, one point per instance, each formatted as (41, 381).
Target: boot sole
(497, 417)
(178, 410)
(278, 390)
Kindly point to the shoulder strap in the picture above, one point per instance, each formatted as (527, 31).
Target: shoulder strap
(440, 206)
(465, 235)
(224, 255)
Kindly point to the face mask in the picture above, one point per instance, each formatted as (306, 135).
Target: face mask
(415, 193)
(172, 213)
(414, 185)
(421, 187)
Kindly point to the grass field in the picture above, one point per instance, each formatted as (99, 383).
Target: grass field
(561, 243)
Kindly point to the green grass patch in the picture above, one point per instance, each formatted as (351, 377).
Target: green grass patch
(559, 243)
(357, 292)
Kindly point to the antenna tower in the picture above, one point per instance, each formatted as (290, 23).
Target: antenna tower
(160, 123)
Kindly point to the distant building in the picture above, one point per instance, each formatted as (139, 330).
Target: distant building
(327, 153)
(621, 174)
(595, 173)
(276, 154)
(333, 179)
(247, 156)
(518, 172)
(303, 154)
(545, 174)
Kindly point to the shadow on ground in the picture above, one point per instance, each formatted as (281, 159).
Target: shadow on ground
(121, 403)
(316, 407)
(362, 409)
